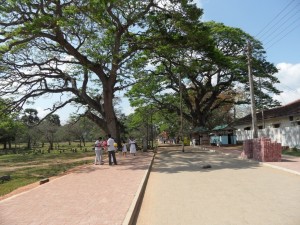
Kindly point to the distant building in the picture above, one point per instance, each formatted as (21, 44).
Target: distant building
(200, 134)
(281, 124)
(223, 135)
(220, 135)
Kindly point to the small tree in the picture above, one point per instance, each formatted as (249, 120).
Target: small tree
(10, 125)
(30, 119)
(49, 127)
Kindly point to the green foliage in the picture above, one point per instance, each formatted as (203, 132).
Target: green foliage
(212, 67)
(85, 51)
(53, 119)
(82, 50)
(293, 151)
(10, 125)
(30, 117)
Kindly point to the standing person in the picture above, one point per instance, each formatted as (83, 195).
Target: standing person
(124, 149)
(111, 150)
(194, 142)
(104, 145)
(132, 146)
(98, 151)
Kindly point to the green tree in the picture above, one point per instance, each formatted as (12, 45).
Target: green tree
(30, 119)
(211, 75)
(49, 127)
(147, 122)
(82, 129)
(79, 50)
(10, 125)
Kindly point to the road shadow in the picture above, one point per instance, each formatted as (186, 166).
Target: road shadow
(173, 160)
(288, 160)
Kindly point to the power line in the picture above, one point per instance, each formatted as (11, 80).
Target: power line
(290, 31)
(281, 25)
(288, 88)
(274, 19)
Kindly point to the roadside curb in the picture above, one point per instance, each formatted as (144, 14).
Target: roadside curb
(279, 168)
(134, 208)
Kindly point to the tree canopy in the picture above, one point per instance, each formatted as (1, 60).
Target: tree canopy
(77, 50)
(83, 51)
(212, 66)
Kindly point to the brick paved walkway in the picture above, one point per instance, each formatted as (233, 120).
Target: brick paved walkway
(93, 195)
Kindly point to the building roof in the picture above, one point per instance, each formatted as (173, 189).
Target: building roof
(223, 127)
(200, 130)
(291, 109)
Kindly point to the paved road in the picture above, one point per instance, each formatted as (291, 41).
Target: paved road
(233, 191)
(92, 195)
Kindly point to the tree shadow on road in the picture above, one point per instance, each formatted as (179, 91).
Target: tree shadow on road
(175, 161)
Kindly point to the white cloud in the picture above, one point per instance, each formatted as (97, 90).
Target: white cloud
(41, 111)
(289, 76)
(199, 3)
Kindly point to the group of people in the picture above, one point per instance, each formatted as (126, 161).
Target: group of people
(110, 146)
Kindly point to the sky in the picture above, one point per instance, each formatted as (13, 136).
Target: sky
(276, 23)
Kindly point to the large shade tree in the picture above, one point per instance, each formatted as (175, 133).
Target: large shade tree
(80, 51)
(211, 75)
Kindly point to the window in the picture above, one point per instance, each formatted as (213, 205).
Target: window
(247, 128)
(260, 127)
(277, 125)
(291, 118)
(296, 123)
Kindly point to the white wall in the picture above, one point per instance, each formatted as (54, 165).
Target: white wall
(287, 136)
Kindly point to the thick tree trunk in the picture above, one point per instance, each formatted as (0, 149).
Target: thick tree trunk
(29, 143)
(50, 146)
(51, 142)
(112, 124)
(110, 116)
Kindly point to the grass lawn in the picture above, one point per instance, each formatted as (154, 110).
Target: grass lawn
(29, 167)
(291, 152)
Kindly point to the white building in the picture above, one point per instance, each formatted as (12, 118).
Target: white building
(281, 124)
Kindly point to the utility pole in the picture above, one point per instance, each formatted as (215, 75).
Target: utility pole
(152, 136)
(262, 106)
(253, 109)
(181, 119)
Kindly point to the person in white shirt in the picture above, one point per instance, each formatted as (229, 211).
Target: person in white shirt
(124, 149)
(111, 150)
(194, 142)
(98, 151)
(132, 147)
